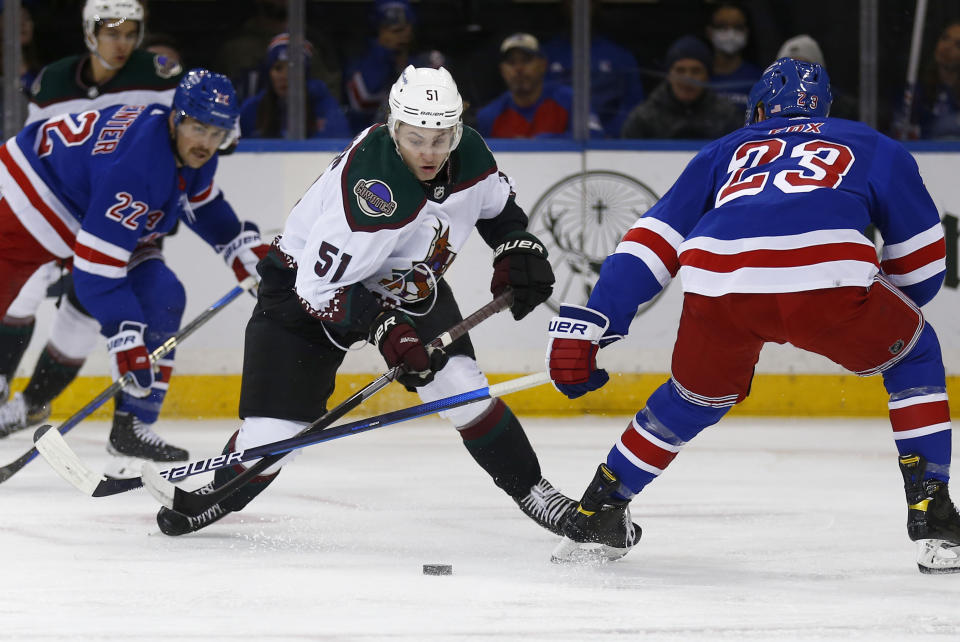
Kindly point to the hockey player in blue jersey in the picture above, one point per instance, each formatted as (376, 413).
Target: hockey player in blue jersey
(100, 188)
(765, 229)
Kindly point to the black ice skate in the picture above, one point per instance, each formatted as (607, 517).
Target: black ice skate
(932, 519)
(19, 414)
(173, 523)
(132, 441)
(546, 505)
(599, 529)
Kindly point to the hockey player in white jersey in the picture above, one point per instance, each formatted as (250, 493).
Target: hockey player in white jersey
(363, 255)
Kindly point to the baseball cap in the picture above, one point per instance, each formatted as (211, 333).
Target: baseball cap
(278, 49)
(523, 41)
(802, 47)
(392, 12)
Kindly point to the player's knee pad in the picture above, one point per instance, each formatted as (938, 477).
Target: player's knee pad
(257, 431)
(461, 374)
(75, 334)
(920, 368)
(34, 291)
(670, 412)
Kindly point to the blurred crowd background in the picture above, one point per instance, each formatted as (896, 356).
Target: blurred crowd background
(659, 68)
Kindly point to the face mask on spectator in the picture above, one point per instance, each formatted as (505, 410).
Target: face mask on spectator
(729, 41)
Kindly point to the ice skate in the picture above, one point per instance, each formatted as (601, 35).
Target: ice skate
(932, 519)
(546, 505)
(131, 442)
(17, 415)
(599, 529)
(173, 523)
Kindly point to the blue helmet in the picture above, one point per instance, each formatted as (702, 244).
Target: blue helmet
(207, 97)
(791, 87)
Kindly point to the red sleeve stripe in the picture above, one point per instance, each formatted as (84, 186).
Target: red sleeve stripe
(202, 196)
(657, 244)
(926, 255)
(36, 201)
(812, 255)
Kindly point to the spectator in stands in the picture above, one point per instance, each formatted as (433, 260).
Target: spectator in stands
(615, 85)
(369, 77)
(265, 115)
(733, 76)
(683, 106)
(531, 107)
(935, 111)
(804, 47)
(240, 56)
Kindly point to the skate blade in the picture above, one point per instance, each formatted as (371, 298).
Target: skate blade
(585, 553)
(936, 556)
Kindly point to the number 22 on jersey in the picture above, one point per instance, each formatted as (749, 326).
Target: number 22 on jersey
(819, 164)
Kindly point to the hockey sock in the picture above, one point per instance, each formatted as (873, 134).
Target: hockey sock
(497, 442)
(15, 336)
(245, 494)
(920, 419)
(656, 435)
(51, 376)
(919, 410)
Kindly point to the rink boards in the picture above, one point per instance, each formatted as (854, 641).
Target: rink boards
(580, 202)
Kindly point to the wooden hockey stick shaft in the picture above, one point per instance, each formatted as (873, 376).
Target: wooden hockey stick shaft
(6, 472)
(193, 504)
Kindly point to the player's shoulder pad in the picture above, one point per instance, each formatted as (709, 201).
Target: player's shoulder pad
(150, 71)
(55, 81)
(476, 161)
(379, 191)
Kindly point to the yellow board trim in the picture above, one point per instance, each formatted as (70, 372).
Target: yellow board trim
(216, 396)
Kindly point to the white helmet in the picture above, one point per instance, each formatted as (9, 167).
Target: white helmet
(426, 97)
(109, 13)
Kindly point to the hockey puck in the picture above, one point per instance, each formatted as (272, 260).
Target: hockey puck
(437, 569)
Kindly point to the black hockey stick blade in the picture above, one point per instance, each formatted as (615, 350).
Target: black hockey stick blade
(193, 504)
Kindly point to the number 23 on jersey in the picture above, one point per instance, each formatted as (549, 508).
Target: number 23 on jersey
(818, 164)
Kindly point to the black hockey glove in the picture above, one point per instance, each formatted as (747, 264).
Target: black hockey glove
(398, 342)
(520, 262)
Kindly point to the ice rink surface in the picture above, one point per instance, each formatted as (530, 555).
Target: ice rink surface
(760, 530)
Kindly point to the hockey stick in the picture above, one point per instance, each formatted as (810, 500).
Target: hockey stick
(53, 447)
(6, 472)
(66, 463)
(193, 504)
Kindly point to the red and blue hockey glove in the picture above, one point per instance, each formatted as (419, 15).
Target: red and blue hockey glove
(244, 252)
(575, 337)
(129, 354)
(396, 337)
(520, 262)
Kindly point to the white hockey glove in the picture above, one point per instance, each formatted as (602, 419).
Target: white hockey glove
(244, 252)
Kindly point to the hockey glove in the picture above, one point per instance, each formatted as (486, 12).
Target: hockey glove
(244, 252)
(396, 337)
(520, 262)
(575, 336)
(129, 354)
